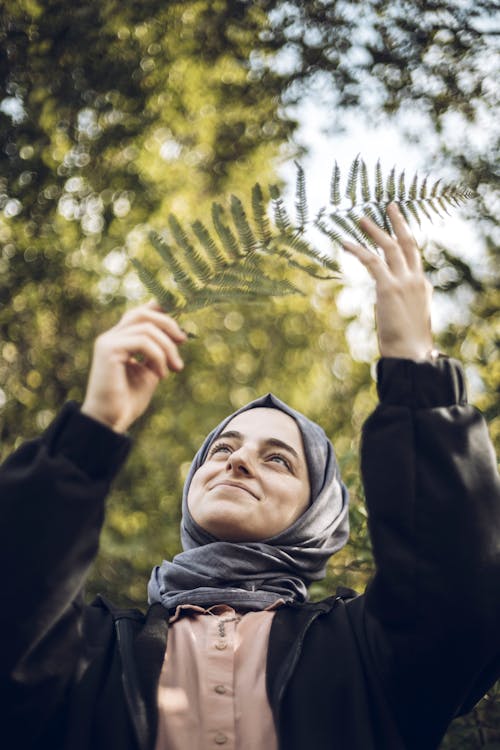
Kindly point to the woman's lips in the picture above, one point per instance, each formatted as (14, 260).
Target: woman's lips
(238, 485)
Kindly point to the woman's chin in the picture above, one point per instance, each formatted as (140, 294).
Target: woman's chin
(230, 524)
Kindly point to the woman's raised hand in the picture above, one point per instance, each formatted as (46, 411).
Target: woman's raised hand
(403, 294)
(128, 362)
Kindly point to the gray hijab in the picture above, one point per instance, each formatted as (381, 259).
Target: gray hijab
(253, 575)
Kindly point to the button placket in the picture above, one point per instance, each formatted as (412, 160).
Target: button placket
(220, 675)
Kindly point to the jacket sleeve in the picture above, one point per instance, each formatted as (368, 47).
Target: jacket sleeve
(432, 611)
(52, 493)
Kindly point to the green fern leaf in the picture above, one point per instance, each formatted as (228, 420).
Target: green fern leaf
(423, 188)
(229, 241)
(186, 283)
(413, 191)
(365, 183)
(390, 185)
(313, 270)
(435, 188)
(364, 238)
(301, 199)
(240, 261)
(215, 255)
(299, 246)
(352, 181)
(421, 205)
(411, 207)
(335, 236)
(247, 237)
(260, 215)
(165, 298)
(404, 210)
(375, 213)
(379, 183)
(199, 266)
(281, 217)
(443, 205)
(351, 229)
(401, 186)
(335, 196)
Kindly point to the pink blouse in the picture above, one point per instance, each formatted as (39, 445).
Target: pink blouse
(212, 689)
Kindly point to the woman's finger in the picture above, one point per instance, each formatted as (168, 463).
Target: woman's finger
(393, 253)
(144, 342)
(169, 348)
(374, 264)
(152, 313)
(404, 236)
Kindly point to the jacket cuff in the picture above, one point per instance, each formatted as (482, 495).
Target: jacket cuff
(96, 449)
(421, 385)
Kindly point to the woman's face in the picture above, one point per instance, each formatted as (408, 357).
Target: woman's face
(254, 482)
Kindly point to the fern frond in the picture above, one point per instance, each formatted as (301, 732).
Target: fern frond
(375, 213)
(335, 196)
(247, 237)
(186, 283)
(365, 183)
(300, 199)
(281, 217)
(390, 185)
(199, 266)
(313, 270)
(413, 191)
(209, 298)
(243, 259)
(433, 204)
(352, 181)
(435, 188)
(299, 246)
(422, 193)
(379, 182)
(410, 207)
(406, 214)
(401, 186)
(252, 282)
(229, 241)
(350, 228)
(442, 203)
(260, 215)
(420, 205)
(335, 236)
(215, 255)
(165, 298)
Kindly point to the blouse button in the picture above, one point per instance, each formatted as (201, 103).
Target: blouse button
(221, 645)
(220, 689)
(220, 739)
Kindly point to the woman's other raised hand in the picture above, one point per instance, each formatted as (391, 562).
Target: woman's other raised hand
(129, 360)
(403, 294)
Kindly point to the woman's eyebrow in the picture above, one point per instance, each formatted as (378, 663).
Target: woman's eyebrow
(229, 434)
(280, 444)
(276, 442)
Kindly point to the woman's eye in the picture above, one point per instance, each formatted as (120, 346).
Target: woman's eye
(220, 448)
(278, 458)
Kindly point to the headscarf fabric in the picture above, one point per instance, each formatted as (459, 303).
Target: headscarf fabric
(253, 575)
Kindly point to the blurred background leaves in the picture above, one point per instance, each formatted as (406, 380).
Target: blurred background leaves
(113, 115)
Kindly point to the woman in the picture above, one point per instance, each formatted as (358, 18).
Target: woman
(250, 663)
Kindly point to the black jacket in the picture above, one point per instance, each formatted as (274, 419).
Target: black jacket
(384, 671)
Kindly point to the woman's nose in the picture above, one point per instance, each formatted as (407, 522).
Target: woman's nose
(240, 461)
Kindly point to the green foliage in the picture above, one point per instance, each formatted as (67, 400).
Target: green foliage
(231, 263)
